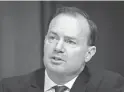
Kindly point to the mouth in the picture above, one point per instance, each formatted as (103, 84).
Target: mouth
(57, 60)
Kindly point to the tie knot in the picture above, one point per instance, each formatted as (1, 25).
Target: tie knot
(60, 88)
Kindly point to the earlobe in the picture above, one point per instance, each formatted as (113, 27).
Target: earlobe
(91, 52)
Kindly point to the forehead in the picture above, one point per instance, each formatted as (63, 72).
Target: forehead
(69, 25)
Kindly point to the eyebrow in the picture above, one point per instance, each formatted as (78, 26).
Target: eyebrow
(66, 37)
(52, 33)
(72, 38)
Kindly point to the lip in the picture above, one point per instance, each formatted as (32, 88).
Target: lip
(57, 58)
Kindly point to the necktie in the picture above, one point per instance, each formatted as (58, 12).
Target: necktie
(60, 88)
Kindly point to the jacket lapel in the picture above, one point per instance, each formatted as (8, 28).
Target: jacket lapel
(82, 83)
(37, 81)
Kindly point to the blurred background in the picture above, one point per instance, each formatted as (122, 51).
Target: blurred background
(23, 26)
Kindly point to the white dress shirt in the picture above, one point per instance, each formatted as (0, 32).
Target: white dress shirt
(49, 84)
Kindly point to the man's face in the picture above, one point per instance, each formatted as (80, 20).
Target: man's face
(66, 48)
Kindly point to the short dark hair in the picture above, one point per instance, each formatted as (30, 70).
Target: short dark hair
(73, 11)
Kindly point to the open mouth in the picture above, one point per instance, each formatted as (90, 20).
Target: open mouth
(57, 58)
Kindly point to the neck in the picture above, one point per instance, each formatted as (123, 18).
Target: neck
(61, 78)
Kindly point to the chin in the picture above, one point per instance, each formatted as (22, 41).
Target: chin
(56, 69)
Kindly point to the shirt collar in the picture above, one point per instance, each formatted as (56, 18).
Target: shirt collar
(49, 83)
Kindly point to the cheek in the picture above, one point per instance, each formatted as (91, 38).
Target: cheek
(48, 45)
(77, 56)
(48, 48)
(76, 52)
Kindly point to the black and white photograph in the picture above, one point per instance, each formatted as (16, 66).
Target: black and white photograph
(61, 46)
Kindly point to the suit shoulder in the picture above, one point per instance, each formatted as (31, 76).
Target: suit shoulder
(105, 78)
(19, 80)
(112, 75)
(112, 79)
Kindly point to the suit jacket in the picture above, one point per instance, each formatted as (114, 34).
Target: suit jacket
(87, 81)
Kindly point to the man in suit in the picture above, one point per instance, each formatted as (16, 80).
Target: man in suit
(68, 46)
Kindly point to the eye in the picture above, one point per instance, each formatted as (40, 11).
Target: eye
(70, 42)
(51, 37)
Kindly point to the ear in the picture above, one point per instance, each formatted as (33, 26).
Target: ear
(91, 52)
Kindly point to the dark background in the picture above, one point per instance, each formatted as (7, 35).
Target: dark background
(24, 24)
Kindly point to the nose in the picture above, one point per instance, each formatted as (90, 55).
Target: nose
(59, 46)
